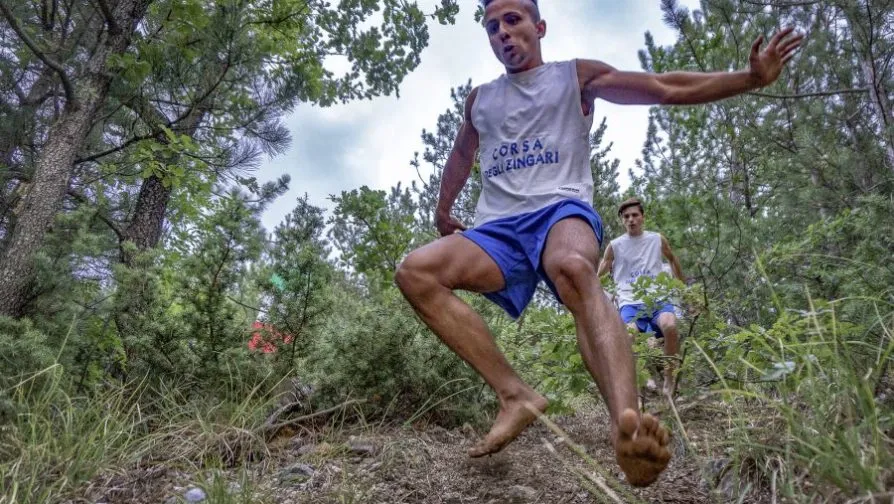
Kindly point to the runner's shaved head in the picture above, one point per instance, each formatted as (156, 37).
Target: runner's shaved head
(530, 5)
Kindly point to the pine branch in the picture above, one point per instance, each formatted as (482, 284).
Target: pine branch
(66, 82)
(149, 115)
(126, 144)
(114, 29)
(782, 4)
(810, 95)
(80, 198)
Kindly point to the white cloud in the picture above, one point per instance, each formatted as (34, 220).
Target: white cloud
(371, 142)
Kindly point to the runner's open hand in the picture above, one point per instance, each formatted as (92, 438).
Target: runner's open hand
(767, 64)
(448, 224)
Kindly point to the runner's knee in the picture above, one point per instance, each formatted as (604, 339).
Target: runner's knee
(667, 322)
(415, 274)
(574, 269)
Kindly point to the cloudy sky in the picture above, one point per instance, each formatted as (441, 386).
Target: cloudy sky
(372, 142)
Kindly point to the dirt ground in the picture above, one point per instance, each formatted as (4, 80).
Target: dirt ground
(342, 464)
(429, 465)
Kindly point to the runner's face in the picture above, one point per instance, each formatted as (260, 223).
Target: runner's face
(633, 220)
(514, 36)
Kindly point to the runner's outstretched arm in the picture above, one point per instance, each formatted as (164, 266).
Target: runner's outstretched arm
(457, 170)
(672, 259)
(600, 80)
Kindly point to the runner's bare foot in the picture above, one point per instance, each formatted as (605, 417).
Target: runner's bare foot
(641, 448)
(513, 417)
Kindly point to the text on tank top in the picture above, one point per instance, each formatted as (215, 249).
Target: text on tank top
(635, 257)
(534, 145)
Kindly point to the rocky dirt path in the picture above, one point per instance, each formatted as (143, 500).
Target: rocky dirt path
(429, 465)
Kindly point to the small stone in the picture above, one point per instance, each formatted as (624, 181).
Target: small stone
(301, 469)
(296, 473)
(727, 486)
(194, 495)
(521, 494)
(359, 447)
(307, 449)
(715, 473)
(716, 467)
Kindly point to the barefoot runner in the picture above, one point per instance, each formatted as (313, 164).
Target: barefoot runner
(534, 220)
(639, 253)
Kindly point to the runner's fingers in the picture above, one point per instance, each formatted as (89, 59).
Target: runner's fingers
(779, 36)
(789, 43)
(792, 46)
(755, 47)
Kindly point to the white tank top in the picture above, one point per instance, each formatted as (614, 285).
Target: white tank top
(635, 256)
(534, 145)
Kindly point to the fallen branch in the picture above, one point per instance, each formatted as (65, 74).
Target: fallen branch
(610, 496)
(871, 498)
(270, 427)
(683, 355)
(613, 486)
(673, 407)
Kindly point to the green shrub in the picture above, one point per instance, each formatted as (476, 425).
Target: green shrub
(813, 381)
(543, 349)
(62, 446)
(23, 351)
(378, 350)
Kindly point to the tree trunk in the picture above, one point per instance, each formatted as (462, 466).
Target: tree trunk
(145, 228)
(141, 234)
(882, 107)
(740, 181)
(54, 165)
(25, 111)
(864, 32)
(13, 183)
(147, 222)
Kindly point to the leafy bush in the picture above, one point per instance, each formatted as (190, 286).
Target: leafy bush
(846, 257)
(380, 351)
(543, 349)
(23, 351)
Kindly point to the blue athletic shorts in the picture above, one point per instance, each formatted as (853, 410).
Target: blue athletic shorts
(516, 244)
(644, 322)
